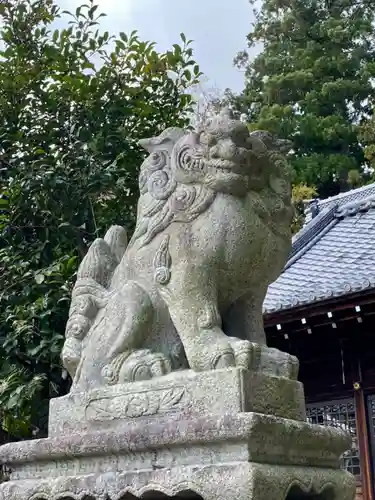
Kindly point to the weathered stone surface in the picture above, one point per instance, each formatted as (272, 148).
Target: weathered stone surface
(240, 481)
(271, 453)
(213, 231)
(260, 438)
(185, 394)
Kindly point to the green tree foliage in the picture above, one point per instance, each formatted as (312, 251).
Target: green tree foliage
(73, 104)
(300, 195)
(367, 136)
(311, 82)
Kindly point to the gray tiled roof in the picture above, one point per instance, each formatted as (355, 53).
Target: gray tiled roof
(343, 198)
(333, 255)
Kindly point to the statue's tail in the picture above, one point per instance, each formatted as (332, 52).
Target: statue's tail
(90, 293)
(117, 240)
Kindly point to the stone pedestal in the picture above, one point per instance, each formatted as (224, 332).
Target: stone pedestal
(214, 435)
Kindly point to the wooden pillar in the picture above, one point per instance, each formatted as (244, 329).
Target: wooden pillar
(363, 442)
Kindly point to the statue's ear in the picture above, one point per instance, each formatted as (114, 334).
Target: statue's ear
(272, 142)
(153, 144)
(284, 145)
(166, 140)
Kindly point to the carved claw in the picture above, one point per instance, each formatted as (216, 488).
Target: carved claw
(223, 360)
(247, 353)
(263, 359)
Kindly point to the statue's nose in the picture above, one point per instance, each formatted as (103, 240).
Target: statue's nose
(225, 149)
(228, 150)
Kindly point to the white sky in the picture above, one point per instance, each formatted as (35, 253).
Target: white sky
(218, 28)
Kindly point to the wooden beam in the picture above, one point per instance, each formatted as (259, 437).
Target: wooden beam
(363, 442)
(365, 297)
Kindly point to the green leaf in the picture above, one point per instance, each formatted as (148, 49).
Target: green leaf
(91, 11)
(177, 49)
(71, 263)
(39, 278)
(123, 37)
(120, 44)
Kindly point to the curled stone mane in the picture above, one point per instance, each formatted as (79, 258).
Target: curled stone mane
(181, 177)
(163, 199)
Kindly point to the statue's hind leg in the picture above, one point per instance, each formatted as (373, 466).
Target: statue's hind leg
(133, 324)
(114, 350)
(129, 360)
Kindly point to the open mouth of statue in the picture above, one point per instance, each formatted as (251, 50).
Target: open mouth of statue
(226, 166)
(197, 163)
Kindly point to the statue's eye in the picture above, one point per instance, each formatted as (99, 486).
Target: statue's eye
(240, 136)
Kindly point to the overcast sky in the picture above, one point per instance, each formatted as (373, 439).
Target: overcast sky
(218, 28)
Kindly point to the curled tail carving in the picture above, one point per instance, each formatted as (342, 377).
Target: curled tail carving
(90, 292)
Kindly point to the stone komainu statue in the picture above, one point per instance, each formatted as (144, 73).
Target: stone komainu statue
(212, 232)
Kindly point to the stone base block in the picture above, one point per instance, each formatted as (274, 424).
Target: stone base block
(237, 481)
(180, 395)
(245, 456)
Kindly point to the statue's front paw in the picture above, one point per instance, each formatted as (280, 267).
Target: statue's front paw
(135, 366)
(210, 351)
(264, 359)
